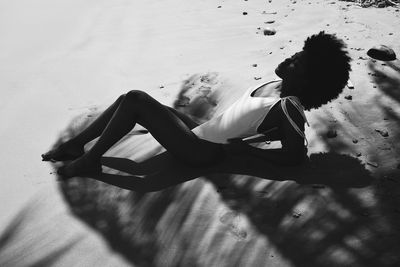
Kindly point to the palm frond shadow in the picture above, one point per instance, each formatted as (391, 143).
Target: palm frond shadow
(162, 228)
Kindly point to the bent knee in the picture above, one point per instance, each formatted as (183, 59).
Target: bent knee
(136, 96)
(134, 100)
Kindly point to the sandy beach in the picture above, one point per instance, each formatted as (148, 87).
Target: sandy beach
(62, 62)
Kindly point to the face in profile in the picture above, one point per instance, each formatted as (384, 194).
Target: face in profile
(292, 71)
(292, 67)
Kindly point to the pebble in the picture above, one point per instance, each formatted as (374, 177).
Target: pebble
(355, 141)
(254, 65)
(219, 6)
(257, 78)
(383, 133)
(269, 22)
(331, 134)
(358, 154)
(382, 52)
(350, 84)
(348, 97)
(269, 31)
(245, 13)
(161, 86)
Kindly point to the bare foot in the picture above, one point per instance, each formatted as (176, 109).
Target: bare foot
(65, 151)
(79, 167)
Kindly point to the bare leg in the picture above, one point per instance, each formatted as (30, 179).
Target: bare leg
(73, 148)
(164, 125)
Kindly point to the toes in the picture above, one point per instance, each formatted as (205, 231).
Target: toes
(47, 156)
(63, 154)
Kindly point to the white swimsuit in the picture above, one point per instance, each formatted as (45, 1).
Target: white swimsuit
(243, 117)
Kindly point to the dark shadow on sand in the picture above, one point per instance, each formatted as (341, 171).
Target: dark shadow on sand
(337, 227)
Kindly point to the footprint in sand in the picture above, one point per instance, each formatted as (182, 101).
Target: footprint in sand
(198, 95)
(232, 220)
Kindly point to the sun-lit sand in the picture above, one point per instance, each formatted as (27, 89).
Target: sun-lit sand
(62, 62)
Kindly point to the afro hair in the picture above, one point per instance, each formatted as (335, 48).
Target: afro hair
(328, 67)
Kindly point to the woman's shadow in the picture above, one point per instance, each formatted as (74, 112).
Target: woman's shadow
(163, 170)
(153, 219)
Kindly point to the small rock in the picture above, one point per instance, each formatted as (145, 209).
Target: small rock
(161, 86)
(269, 32)
(245, 13)
(331, 134)
(391, 33)
(257, 78)
(269, 22)
(350, 84)
(219, 6)
(358, 154)
(348, 97)
(383, 133)
(254, 65)
(382, 52)
(355, 141)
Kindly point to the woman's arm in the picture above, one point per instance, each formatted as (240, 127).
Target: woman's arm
(293, 150)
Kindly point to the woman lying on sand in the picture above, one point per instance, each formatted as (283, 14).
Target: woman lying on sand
(309, 79)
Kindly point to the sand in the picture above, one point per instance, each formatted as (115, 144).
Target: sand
(61, 63)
